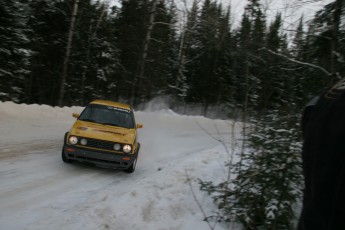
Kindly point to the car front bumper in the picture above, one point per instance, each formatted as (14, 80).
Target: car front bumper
(99, 158)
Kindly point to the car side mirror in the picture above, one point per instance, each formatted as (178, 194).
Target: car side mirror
(75, 115)
(139, 126)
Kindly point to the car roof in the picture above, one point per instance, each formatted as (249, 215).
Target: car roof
(111, 103)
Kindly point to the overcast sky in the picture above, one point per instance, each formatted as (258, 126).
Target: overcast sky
(291, 9)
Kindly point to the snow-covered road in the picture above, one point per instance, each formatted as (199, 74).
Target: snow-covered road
(39, 191)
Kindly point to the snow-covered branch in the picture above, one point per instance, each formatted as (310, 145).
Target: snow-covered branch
(296, 61)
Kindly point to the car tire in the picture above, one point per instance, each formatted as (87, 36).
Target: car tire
(63, 156)
(131, 168)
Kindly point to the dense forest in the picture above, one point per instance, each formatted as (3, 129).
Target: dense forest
(68, 52)
(64, 52)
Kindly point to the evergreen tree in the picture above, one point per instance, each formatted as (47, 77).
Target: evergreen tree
(256, 62)
(304, 81)
(146, 36)
(186, 54)
(225, 70)
(160, 52)
(249, 62)
(94, 62)
(14, 51)
(241, 85)
(276, 82)
(328, 43)
(131, 26)
(68, 48)
(319, 47)
(298, 42)
(211, 30)
(268, 185)
(93, 59)
(49, 26)
(268, 173)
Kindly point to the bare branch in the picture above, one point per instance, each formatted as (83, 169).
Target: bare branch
(296, 61)
(189, 181)
(156, 40)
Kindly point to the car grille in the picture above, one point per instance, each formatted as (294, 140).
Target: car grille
(98, 144)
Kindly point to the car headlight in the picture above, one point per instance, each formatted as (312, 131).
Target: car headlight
(127, 148)
(73, 140)
(117, 147)
(83, 141)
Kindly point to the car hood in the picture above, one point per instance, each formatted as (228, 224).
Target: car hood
(103, 132)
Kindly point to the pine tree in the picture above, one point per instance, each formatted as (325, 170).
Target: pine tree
(14, 52)
(320, 48)
(107, 53)
(131, 27)
(49, 27)
(276, 82)
(94, 62)
(186, 55)
(146, 34)
(224, 70)
(249, 61)
(328, 43)
(177, 79)
(210, 33)
(268, 185)
(163, 49)
(67, 55)
(298, 42)
(301, 74)
(93, 53)
(265, 190)
(159, 57)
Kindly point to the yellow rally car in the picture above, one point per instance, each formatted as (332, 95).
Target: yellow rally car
(104, 134)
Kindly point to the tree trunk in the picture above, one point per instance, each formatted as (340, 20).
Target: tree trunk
(92, 36)
(141, 68)
(334, 42)
(181, 62)
(68, 53)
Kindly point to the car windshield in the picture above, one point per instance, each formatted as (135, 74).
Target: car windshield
(108, 115)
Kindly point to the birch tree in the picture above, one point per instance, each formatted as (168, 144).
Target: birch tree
(179, 84)
(68, 53)
(142, 61)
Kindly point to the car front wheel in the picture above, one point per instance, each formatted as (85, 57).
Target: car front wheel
(64, 158)
(131, 168)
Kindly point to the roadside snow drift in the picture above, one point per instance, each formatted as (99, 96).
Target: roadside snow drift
(39, 191)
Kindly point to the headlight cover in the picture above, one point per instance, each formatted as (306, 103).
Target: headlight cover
(83, 141)
(127, 148)
(73, 140)
(117, 147)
